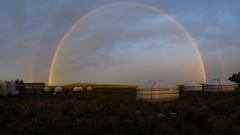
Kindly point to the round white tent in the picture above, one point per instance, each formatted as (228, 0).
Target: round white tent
(77, 89)
(46, 89)
(157, 91)
(218, 84)
(57, 90)
(192, 86)
(89, 88)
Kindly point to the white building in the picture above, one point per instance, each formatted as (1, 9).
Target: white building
(7, 88)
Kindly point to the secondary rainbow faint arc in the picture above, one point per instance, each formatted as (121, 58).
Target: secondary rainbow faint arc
(74, 26)
(35, 52)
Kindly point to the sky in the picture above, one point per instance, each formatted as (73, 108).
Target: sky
(120, 44)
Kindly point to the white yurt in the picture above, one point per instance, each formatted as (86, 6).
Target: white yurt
(218, 85)
(7, 88)
(157, 91)
(236, 85)
(80, 88)
(192, 86)
(57, 90)
(77, 89)
(46, 89)
(89, 88)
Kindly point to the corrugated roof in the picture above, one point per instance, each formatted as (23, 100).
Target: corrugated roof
(219, 81)
(189, 84)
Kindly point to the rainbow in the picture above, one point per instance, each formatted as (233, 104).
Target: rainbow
(75, 25)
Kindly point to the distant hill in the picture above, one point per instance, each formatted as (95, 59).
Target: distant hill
(101, 86)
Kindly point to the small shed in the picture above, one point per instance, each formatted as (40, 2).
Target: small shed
(89, 88)
(58, 90)
(32, 88)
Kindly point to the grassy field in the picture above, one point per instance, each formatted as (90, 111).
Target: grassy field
(117, 112)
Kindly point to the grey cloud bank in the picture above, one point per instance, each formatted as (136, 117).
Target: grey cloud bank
(34, 28)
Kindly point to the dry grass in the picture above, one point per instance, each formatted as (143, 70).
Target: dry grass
(118, 112)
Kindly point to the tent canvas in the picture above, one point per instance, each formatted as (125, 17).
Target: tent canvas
(219, 85)
(158, 84)
(192, 86)
(157, 91)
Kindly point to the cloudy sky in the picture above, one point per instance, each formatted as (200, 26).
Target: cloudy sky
(118, 44)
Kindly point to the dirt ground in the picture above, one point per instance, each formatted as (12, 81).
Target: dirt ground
(117, 112)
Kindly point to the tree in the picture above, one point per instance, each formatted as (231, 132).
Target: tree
(235, 78)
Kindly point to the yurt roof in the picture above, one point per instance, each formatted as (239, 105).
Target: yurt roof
(58, 88)
(158, 84)
(220, 81)
(189, 84)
